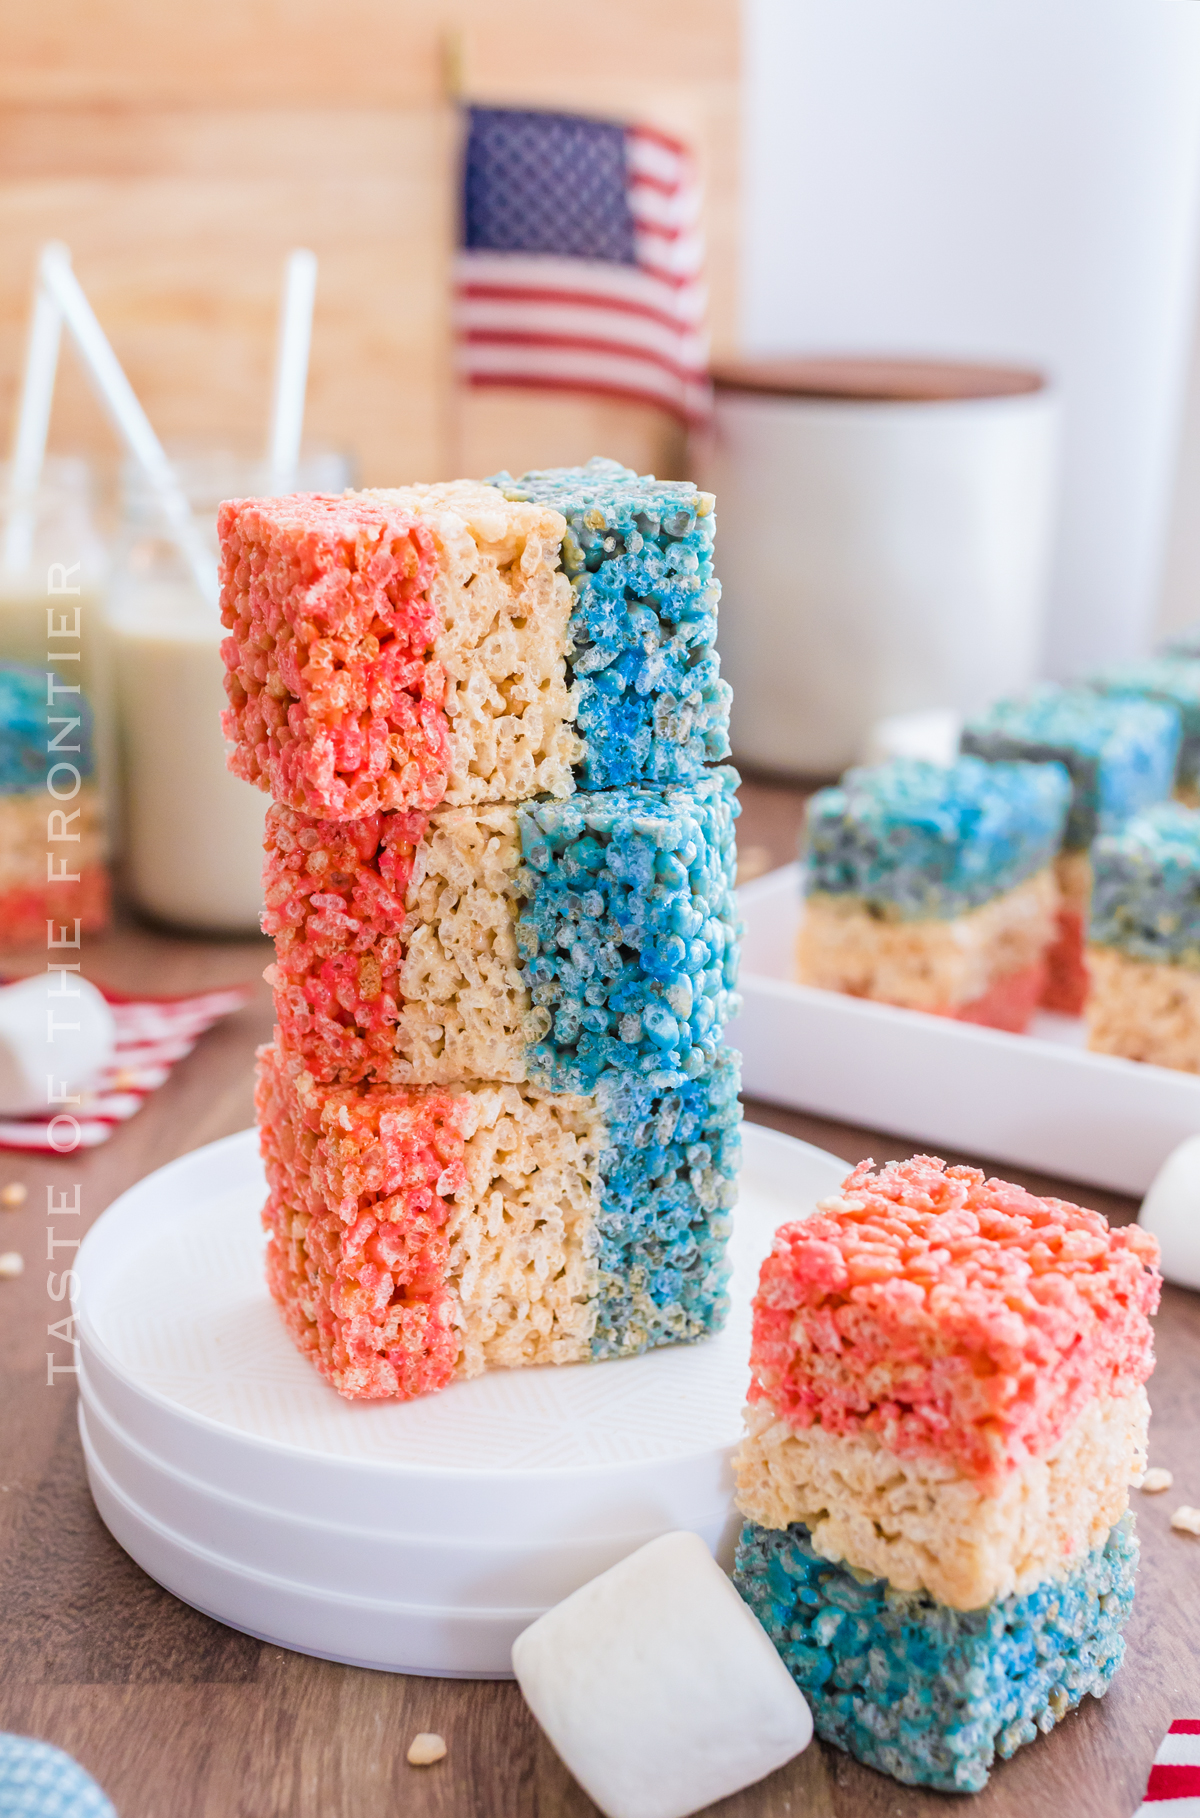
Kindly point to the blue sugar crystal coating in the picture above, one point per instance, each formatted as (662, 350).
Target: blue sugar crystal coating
(926, 842)
(1121, 754)
(928, 1694)
(1173, 679)
(28, 725)
(668, 1181)
(1146, 887)
(652, 708)
(628, 931)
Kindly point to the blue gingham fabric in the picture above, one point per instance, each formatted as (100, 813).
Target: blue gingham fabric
(38, 1781)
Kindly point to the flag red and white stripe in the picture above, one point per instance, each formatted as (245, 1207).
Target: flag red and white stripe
(152, 1034)
(636, 331)
(1173, 1790)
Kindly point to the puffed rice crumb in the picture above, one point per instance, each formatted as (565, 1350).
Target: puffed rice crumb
(1156, 1479)
(14, 1195)
(425, 1749)
(11, 1263)
(1186, 1520)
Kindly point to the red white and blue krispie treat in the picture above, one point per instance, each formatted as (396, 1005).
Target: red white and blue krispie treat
(550, 942)
(652, 708)
(932, 887)
(52, 839)
(1121, 754)
(946, 1412)
(419, 1236)
(1175, 680)
(401, 649)
(1144, 940)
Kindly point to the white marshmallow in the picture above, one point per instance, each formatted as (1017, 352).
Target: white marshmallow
(657, 1686)
(1171, 1212)
(30, 1055)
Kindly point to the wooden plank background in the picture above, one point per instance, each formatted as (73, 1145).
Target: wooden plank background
(181, 149)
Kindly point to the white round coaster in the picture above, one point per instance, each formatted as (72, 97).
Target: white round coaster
(419, 1536)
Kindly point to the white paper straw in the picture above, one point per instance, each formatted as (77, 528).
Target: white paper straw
(291, 368)
(131, 421)
(33, 419)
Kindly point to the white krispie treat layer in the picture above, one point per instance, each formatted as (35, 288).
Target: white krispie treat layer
(1143, 1011)
(503, 603)
(466, 1013)
(25, 821)
(522, 1282)
(927, 965)
(923, 1526)
(1073, 875)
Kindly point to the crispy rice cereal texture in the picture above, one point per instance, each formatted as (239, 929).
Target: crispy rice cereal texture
(27, 901)
(415, 1236)
(1144, 1010)
(937, 966)
(396, 650)
(959, 1319)
(927, 1526)
(502, 604)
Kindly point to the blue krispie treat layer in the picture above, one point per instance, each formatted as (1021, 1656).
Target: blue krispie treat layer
(927, 842)
(1121, 754)
(28, 725)
(668, 1180)
(652, 707)
(1173, 679)
(1146, 887)
(628, 931)
(928, 1694)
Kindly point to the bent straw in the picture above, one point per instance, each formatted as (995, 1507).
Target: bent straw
(130, 420)
(33, 419)
(291, 368)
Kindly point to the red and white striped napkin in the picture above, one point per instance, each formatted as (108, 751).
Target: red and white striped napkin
(152, 1034)
(1173, 1790)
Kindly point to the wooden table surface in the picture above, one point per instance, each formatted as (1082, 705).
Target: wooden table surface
(179, 1717)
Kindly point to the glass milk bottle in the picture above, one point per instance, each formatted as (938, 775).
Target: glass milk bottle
(193, 832)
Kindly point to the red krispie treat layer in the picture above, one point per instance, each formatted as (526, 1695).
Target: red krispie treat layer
(26, 908)
(355, 1219)
(958, 1318)
(1009, 1003)
(334, 901)
(1067, 983)
(335, 701)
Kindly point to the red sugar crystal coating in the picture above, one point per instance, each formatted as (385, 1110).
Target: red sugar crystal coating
(335, 703)
(359, 1182)
(958, 1318)
(334, 893)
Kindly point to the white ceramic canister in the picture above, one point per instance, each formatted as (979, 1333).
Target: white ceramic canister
(884, 542)
(193, 832)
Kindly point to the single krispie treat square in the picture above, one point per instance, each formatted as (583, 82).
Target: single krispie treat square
(1144, 940)
(52, 834)
(420, 1235)
(394, 650)
(652, 708)
(947, 1379)
(550, 942)
(1121, 754)
(933, 887)
(1174, 680)
(927, 1694)
(947, 1396)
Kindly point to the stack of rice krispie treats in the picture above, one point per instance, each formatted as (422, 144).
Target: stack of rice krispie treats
(946, 1413)
(499, 1122)
(52, 837)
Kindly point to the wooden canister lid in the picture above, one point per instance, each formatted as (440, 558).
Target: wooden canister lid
(876, 381)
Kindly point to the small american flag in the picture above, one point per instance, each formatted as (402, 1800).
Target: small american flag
(582, 263)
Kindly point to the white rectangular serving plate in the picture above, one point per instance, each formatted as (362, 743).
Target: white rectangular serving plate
(1039, 1100)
